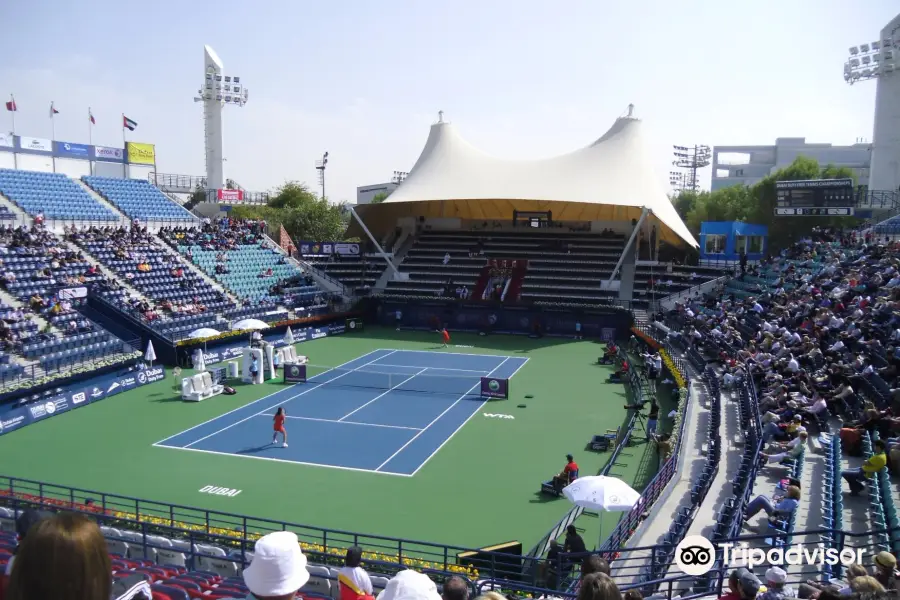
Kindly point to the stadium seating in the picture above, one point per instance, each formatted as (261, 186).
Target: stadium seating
(359, 274)
(54, 195)
(138, 199)
(245, 265)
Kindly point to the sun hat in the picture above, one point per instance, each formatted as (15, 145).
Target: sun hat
(410, 585)
(776, 575)
(886, 559)
(278, 567)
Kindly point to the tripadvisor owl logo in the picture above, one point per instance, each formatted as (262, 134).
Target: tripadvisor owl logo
(494, 385)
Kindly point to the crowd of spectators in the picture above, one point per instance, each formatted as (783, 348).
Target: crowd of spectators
(222, 234)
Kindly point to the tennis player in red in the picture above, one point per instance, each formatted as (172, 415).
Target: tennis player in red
(445, 335)
(279, 427)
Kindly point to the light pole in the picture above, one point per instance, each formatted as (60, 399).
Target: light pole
(398, 177)
(691, 159)
(217, 91)
(880, 60)
(320, 167)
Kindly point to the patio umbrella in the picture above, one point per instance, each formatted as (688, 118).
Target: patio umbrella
(150, 354)
(289, 337)
(249, 324)
(204, 332)
(601, 493)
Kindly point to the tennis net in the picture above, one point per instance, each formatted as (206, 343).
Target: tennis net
(405, 379)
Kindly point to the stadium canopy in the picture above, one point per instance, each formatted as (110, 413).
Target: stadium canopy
(610, 180)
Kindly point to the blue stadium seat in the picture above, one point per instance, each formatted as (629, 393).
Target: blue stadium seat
(53, 194)
(138, 199)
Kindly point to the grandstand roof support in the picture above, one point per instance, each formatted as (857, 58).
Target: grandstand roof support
(377, 245)
(644, 212)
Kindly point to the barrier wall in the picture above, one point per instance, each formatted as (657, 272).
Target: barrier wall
(605, 324)
(233, 351)
(94, 390)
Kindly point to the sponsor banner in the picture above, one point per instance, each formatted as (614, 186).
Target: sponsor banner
(69, 150)
(318, 333)
(230, 195)
(355, 324)
(226, 353)
(494, 387)
(329, 248)
(31, 144)
(77, 397)
(109, 154)
(7, 140)
(72, 293)
(295, 374)
(346, 249)
(140, 154)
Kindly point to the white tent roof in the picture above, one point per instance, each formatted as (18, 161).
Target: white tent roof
(614, 171)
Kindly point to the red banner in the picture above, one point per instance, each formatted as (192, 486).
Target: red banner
(230, 195)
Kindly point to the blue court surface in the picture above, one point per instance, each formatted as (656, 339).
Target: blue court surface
(388, 411)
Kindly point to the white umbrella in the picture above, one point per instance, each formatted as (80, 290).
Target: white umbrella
(204, 332)
(199, 361)
(249, 324)
(289, 337)
(150, 354)
(599, 492)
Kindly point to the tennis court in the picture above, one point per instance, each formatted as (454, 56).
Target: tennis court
(386, 412)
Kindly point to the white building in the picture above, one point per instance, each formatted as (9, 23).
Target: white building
(886, 136)
(746, 165)
(365, 194)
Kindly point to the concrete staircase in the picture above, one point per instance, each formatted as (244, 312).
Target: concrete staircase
(123, 218)
(190, 265)
(22, 217)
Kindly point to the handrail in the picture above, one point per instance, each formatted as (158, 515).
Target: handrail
(305, 265)
(699, 288)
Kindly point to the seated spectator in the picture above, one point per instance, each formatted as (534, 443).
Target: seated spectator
(598, 586)
(742, 585)
(278, 569)
(410, 585)
(783, 509)
(353, 580)
(885, 571)
(455, 588)
(775, 585)
(594, 564)
(567, 475)
(63, 556)
(857, 478)
(792, 449)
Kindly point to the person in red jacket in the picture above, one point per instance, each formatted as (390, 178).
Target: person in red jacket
(445, 337)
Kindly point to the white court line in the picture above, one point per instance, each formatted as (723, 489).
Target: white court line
(359, 408)
(454, 353)
(378, 364)
(306, 391)
(283, 460)
(346, 422)
(437, 418)
(463, 424)
(266, 396)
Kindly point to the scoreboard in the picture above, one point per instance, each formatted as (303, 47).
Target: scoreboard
(815, 198)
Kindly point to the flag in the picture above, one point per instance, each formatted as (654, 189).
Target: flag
(284, 240)
(11, 106)
(53, 111)
(91, 117)
(128, 123)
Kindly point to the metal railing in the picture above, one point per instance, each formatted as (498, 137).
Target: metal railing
(34, 375)
(667, 302)
(183, 182)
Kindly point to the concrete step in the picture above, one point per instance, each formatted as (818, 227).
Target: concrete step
(22, 217)
(123, 218)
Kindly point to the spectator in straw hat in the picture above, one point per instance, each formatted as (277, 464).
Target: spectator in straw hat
(278, 569)
(886, 570)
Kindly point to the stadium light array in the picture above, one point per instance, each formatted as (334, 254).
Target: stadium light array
(872, 60)
(398, 177)
(320, 167)
(691, 159)
(224, 89)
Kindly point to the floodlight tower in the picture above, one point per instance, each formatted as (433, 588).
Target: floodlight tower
(398, 177)
(216, 91)
(880, 60)
(321, 164)
(691, 159)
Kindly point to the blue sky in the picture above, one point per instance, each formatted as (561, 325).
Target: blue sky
(364, 79)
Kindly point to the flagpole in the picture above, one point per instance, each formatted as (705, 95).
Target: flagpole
(124, 144)
(90, 128)
(13, 112)
(52, 135)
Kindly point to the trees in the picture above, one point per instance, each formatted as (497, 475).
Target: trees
(756, 204)
(304, 215)
(379, 198)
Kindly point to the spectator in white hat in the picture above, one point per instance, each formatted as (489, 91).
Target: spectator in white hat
(775, 588)
(278, 569)
(410, 585)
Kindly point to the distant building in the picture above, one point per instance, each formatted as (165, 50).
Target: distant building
(746, 165)
(366, 193)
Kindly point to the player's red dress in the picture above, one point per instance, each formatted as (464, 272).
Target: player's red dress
(279, 423)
